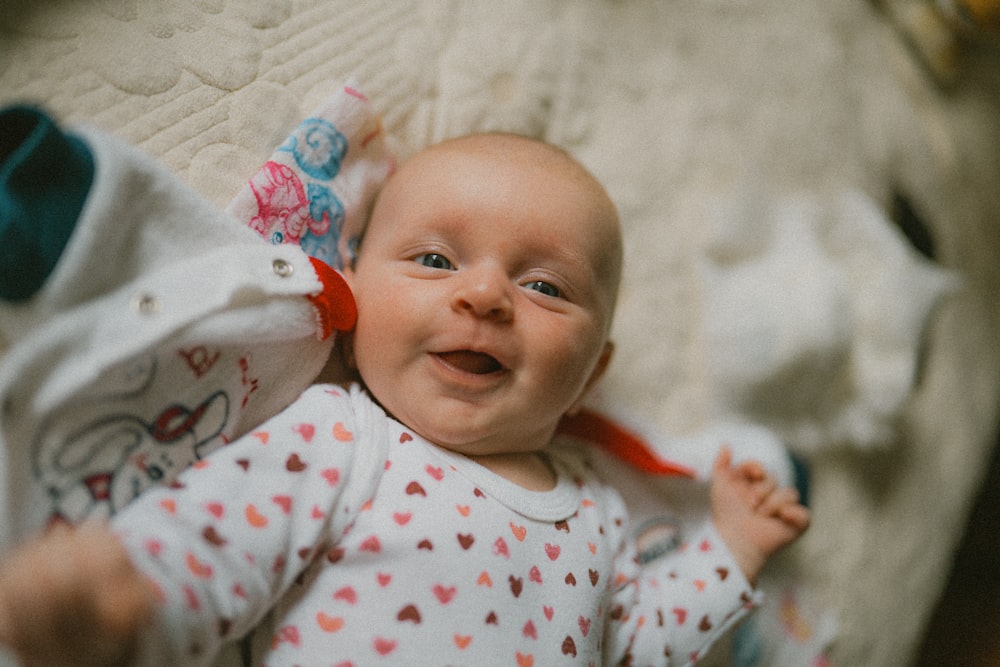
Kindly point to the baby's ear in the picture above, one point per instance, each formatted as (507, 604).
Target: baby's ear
(603, 361)
(348, 273)
(602, 364)
(340, 367)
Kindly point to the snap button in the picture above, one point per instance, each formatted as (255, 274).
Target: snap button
(146, 304)
(282, 268)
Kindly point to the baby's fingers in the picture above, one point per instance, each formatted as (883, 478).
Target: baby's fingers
(777, 500)
(750, 471)
(763, 493)
(797, 516)
(784, 504)
(723, 461)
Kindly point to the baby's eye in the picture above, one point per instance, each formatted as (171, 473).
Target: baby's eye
(548, 289)
(434, 261)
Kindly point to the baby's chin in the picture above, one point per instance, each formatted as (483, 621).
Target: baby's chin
(477, 443)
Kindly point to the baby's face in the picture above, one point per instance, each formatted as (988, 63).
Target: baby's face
(485, 288)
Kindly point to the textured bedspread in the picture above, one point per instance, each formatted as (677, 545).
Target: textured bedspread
(760, 154)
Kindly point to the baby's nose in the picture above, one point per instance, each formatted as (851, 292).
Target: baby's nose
(485, 292)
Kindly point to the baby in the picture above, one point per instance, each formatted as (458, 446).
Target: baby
(429, 513)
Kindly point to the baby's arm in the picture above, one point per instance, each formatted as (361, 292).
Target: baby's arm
(222, 545)
(72, 597)
(755, 516)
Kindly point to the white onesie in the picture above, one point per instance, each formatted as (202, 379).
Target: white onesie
(339, 537)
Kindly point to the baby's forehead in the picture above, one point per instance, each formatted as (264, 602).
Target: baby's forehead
(514, 150)
(599, 226)
(518, 153)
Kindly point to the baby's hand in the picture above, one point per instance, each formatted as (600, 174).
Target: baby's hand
(753, 514)
(72, 597)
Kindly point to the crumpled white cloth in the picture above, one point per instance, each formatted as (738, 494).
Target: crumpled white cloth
(815, 309)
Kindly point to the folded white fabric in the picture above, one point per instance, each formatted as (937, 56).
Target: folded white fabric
(167, 328)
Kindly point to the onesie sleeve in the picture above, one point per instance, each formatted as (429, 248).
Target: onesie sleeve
(234, 532)
(672, 610)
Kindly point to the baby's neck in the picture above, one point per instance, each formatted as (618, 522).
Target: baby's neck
(529, 470)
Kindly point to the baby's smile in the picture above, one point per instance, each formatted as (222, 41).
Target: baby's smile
(478, 363)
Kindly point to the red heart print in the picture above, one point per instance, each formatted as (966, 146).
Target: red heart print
(295, 464)
(290, 634)
(409, 613)
(213, 537)
(444, 594)
(384, 646)
(197, 567)
(371, 544)
(305, 431)
(500, 548)
(329, 623)
(516, 585)
(518, 531)
(346, 594)
(154, 548)
(254, 517)
(284, 502)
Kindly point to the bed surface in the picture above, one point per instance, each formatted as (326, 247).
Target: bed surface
(757, 152)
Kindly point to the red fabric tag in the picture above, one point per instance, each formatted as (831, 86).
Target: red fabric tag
(335, 305)
(617, 440)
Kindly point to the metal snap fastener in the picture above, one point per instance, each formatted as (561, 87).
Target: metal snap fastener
(282, 268)
(146, 304)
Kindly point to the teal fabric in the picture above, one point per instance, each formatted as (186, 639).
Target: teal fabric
(45, 175)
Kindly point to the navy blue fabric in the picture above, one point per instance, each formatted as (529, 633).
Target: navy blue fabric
(45, 176)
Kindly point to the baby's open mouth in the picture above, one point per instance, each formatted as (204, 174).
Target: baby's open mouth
(478, 363)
